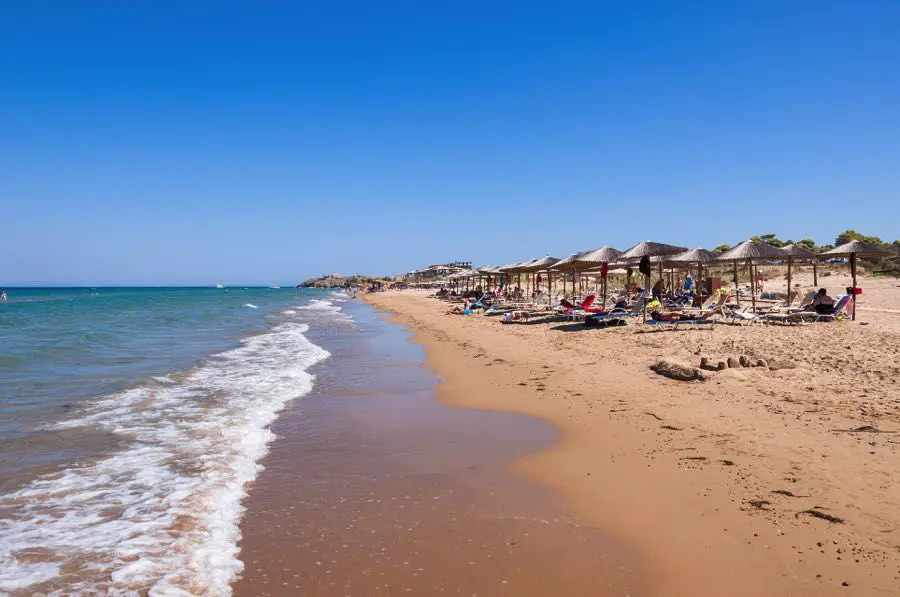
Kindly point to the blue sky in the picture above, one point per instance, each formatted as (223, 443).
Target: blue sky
(263, 142)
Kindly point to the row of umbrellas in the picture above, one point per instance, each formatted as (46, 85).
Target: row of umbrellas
(659, 253)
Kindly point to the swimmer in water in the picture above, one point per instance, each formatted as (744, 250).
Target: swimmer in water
(2, 296)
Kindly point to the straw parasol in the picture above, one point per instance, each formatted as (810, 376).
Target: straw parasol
(795, 252)
(601, 257)
(650, 249)
(751, 251)
(518, 269)
(855, 249)
(567, 264)
(700, 256)
(541, 265)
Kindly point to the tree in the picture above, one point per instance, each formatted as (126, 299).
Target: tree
(808, 244)
(769, 239)
(848, 235)
(722, 248)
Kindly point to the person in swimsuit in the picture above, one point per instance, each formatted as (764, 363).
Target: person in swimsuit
(821, 303)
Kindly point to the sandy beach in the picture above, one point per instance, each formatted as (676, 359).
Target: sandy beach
(754, 482)
(374, 489)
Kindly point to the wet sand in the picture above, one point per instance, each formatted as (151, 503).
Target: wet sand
(374, 488)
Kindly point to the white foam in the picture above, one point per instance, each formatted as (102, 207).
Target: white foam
(161, 516)
(320, 305)
(251, 306)
(288, 312)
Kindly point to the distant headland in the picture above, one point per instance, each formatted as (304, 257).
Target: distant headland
(340, 281)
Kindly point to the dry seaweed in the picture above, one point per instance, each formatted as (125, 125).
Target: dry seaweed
(819, 514)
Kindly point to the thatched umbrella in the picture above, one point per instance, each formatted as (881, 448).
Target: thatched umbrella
(518, 269)
(650, 249)
(541, 265)
(855, 249)
(749, 251)
(795, 252)
(601, 257)
(567, 264)
(489, 271)
(700, 256)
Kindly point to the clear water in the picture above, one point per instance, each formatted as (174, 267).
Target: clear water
(132, 420)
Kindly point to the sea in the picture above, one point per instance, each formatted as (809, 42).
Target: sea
(132, 424)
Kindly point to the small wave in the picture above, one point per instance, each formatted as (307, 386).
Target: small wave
(288, 312)
(250, 305)
(162, 516)
(320, 305)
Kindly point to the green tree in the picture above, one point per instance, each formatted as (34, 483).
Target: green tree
(848, 235)
(808, 244)
(722, 248)
(769, 239)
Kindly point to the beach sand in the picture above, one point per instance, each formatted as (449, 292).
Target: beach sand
(373, 488)
(718, 486)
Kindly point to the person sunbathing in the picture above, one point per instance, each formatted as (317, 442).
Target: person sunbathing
(466, 308)
(821, 303)
(676, 316)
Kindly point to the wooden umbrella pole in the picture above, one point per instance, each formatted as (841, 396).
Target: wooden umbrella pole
(788, 304)
(603, 283)
(853, 275)
(752, 285)
(815, 274)
(549, 288)
(737, 288)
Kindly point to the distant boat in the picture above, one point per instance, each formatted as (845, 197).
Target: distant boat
(275, 287)
(220, 286)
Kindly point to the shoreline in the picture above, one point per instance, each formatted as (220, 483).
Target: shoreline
(374, 488)
(710, 491)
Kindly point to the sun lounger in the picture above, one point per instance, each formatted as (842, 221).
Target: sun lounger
(637, 309)
(842, 310)
(695, 324)
(742, 317)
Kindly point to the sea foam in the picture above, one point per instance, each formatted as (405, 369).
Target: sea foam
(162, 515)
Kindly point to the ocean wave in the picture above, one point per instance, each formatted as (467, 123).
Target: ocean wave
(162, 516)
(320, 305)
(250, 306)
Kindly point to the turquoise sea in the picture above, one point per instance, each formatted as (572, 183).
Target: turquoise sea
(131, 422)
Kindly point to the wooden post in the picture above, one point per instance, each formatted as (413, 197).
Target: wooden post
(788, 304)
(603, 283)
(815, 274)
(752, 285)
(853, 274)
(737, 288)
(549, 288)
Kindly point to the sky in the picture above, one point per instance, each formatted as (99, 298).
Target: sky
(164, 142)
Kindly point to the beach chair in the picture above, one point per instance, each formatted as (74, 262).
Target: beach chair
(742, 317)
(694, 324)
(711, 302)
(843, 309)
(637, 309)
(797, 307)
(574, 312)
